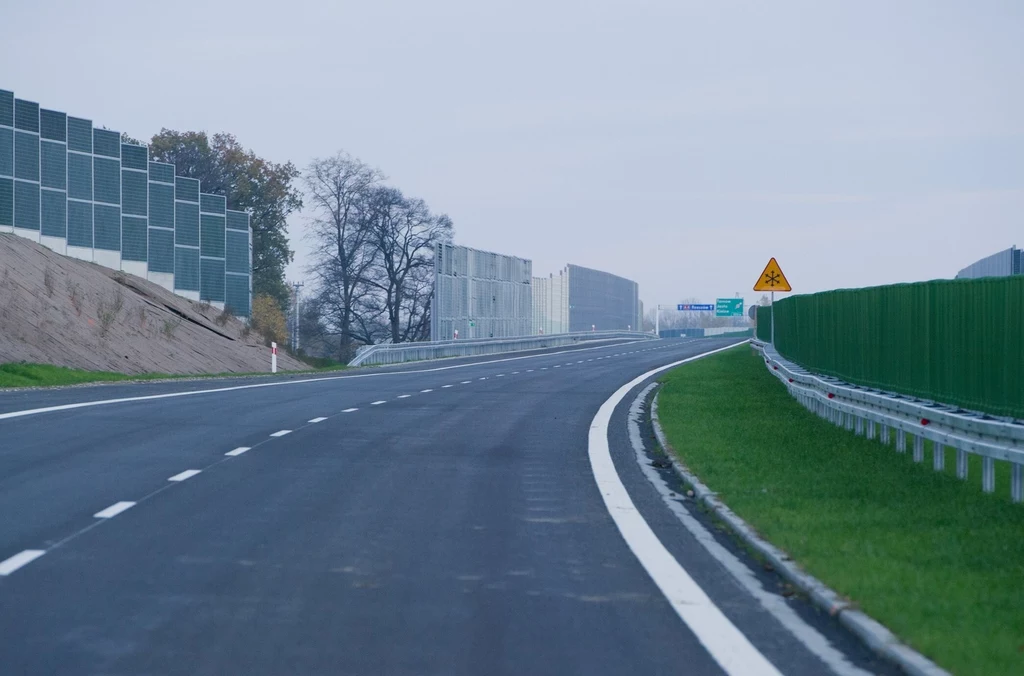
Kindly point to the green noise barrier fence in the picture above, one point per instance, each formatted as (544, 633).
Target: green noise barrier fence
(956, 342)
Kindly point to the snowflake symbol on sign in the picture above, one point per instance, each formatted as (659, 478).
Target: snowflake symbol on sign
(772, 278)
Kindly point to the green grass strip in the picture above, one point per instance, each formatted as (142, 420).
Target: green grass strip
(933, 558)
(21, 374)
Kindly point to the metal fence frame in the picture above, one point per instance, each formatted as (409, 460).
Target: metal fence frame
(885, 416)
(391, 353)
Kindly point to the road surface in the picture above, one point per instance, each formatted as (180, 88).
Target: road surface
(441, 518)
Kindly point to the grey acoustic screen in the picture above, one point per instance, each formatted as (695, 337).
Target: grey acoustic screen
(80, 135)
(134, 157)
(238, 220)
(26, 115)
(26, 205)
(236, 294)
(134, 238)
(134, 193)
(186, 269)
(6, 152)
(106, 143)
(106, 180)
(54, 213)
(161, 250)
(26, 156)
(237, 253)
(107, 227)
(186, 224)
(80, 176)
(211, 280)
(6, 202)
(602, 300)
(6, 108)
(212, 236)
(186, 189)
(163, 173)
(53, 125)
(213, 204)
(79, 223)
(53, 165)
(161, 205)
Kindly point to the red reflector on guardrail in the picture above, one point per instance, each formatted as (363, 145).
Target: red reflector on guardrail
(790, 380)
(831, 396)
(925, 421)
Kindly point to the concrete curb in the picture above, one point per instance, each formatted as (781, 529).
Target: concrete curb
(875, 636)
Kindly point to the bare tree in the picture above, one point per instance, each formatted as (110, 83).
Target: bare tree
(404, 235)
(340, 191)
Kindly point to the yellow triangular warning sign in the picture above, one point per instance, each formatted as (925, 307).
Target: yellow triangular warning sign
(772, 278)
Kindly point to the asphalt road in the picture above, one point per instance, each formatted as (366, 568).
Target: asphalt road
(437, 519)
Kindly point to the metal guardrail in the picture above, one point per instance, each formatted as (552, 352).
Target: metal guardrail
(396, 353)
(885, 416)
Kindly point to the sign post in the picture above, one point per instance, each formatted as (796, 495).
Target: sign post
(772, 280)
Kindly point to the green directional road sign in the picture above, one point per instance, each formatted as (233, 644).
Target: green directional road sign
(729, 307)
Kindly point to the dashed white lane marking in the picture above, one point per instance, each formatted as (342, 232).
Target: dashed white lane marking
(8, 566)
(500, 375)
(443, 386)
(350, 410)
(544, 368)
(723, 641)
(316, 420)
(113, 510)
(426, 390)
(464, 382)
(378, 403)
(590, 360)
(529, 370)
(182, 476)
(281, 433)
(484, 378)
(515, 373)
(238, 451)
(404, 396)
(580, 361)
(558, 366)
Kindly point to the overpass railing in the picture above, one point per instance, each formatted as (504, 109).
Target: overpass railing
(396, 353)
(887, 416)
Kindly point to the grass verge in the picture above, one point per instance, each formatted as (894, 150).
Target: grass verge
(23, 374)
(933, 558)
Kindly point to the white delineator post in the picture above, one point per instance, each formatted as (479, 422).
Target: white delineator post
(273, 357)
(456, 334)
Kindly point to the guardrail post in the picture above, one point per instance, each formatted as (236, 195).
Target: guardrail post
(1016, 482)
(988, 474)
(901, 441)
(858, 425)
(871, 430)
(938, 456)
(849, 421)
(884, 435)
(918, 449)
(961, 464)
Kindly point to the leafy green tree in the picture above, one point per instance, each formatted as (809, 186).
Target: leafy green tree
(265, 189)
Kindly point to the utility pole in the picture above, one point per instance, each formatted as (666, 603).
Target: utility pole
(295, 324)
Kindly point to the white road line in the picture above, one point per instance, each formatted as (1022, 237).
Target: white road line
(723, 641)
(484, 378)
(580, 361)
(774, 603)
(500, 375)
(404, 396)
(543, 368)
(529, 370)
(281, 433)
(426, 390)
(378, 403)
(114, 510)
(464, 382)
(8, 566)
(316, 420)
(238, 451)
(558, 366)
(350, 410)
(182, 476)
(304, 381)
(515, 373)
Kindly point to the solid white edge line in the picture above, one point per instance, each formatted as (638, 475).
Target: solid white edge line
(304, 381)
(238, 451)
(281, 433)
(723, 641)
(114, 510)
(350, 410)
(182, 476)
(316, 420)
(8, 566)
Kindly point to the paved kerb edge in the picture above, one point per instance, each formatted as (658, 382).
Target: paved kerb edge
(873, 633)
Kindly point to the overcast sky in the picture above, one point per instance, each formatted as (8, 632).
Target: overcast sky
(680, 144)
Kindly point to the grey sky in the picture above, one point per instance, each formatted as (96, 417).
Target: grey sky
(676, 143)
